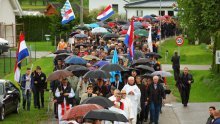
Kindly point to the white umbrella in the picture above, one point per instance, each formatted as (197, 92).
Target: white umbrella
(162, 73)
(99, 30)
(3, 41)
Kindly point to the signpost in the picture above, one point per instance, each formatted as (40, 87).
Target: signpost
(179, 42)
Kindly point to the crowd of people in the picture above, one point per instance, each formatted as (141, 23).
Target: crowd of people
(136, 92)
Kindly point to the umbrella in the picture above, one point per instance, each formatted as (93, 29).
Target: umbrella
(123, 32)
(109, 36)
(60, 51)
(138, 54)
(153, 15)
(145, 67)
(147, 17)
(81, 36)
(80, 111)
(100, 23)
(61, 56)
(138, 24)
(73, 33)
(90, 57)
(60, 74)
(145, 24)
(100, 100)
(125, 27)
(97, 74)
(160, 18)
(77, 70)
(162, 73)
(153, 54)
(101, 63)
(123, 57)
(78, 46)
(141, 61)
(112, 67)
(166, 16)
(121, 22)
(105, 114)
(75, 60)
(93, 25)
(141, 32)
(81, 28)
(3, 41)
(147, 75)
(99, 30)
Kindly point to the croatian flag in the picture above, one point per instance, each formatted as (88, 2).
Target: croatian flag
(67, 13)
(21, 54)
(106, 13)
(129, 39)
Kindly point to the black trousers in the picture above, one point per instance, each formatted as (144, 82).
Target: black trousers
(140, 116)
(146, 111)
(39, 98)
(176, 73)
(185, 92)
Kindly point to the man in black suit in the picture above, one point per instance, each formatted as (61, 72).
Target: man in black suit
(176, 65)
(119, 85)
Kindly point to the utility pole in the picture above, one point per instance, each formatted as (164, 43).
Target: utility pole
(81, 13)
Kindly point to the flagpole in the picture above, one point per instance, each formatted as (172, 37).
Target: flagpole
(160, 26)
(81, 13)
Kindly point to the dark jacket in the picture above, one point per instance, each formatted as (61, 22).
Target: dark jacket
(159, 91)
(103, 89)
(61, 98)
(39, 80)
(23, 82)
(185, 78)
(210, 120)
(143, 90)
(121, 85)
(176, 62)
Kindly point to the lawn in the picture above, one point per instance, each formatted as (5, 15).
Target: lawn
(204, 89)
(34, 116)
(189, 54)
(40, 46)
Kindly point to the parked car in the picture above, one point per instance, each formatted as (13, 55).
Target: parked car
(9, 98)
(4, 45)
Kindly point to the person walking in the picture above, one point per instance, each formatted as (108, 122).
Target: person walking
(184, 83)
(211, 118)
(40, 85)
(176, 65)
(27, 86)
(134, 94)
(156, 97)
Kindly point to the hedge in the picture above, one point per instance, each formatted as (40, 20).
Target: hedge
(35, 27)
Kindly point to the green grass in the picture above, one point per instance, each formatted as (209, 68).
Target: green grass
(41, 46)
(205, 88)
(189, 54)
(34, 116)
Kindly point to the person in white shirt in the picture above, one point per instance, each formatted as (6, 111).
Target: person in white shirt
(113, 97)
(129, 114)
(134, 94)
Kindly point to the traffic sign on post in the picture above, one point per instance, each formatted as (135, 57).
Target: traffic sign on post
(179, 41)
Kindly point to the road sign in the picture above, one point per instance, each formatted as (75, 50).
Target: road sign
(179, 41)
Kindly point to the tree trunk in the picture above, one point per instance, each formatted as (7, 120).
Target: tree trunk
(216, 67)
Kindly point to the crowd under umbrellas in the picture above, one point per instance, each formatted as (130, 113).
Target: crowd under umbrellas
(98, 56)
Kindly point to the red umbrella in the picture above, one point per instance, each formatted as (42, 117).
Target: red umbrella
(166, 16)
(123, 32)
(111, 24)
(160, 18)
(80, 111)
(145, 24)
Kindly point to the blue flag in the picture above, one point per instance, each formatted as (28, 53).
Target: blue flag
(115, 61)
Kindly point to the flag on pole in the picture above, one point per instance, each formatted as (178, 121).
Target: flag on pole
(22, 53)
(115, 61)
(106, 13)
(67, 13)
(149, 40)
(129, 39)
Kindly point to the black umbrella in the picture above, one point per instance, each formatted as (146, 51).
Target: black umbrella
(112, 67)
(141, 61)
(80, 36)
(77, 70)
(150, 54)
(97, 74)
(109, 36)
(121, 22)
(153, 15)
(138, 54)
(147, 75)
(60, 51)
(61, 56)
(145, 68)
(73, 33)
(105, 114)
(78, 46)
(102, 101)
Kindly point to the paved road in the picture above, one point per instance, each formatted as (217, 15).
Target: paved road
(168, 67)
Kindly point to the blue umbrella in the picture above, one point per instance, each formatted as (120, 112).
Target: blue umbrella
(101, 63)
(147, 17)
(80, 36)
(93, 25)
(75, 60)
